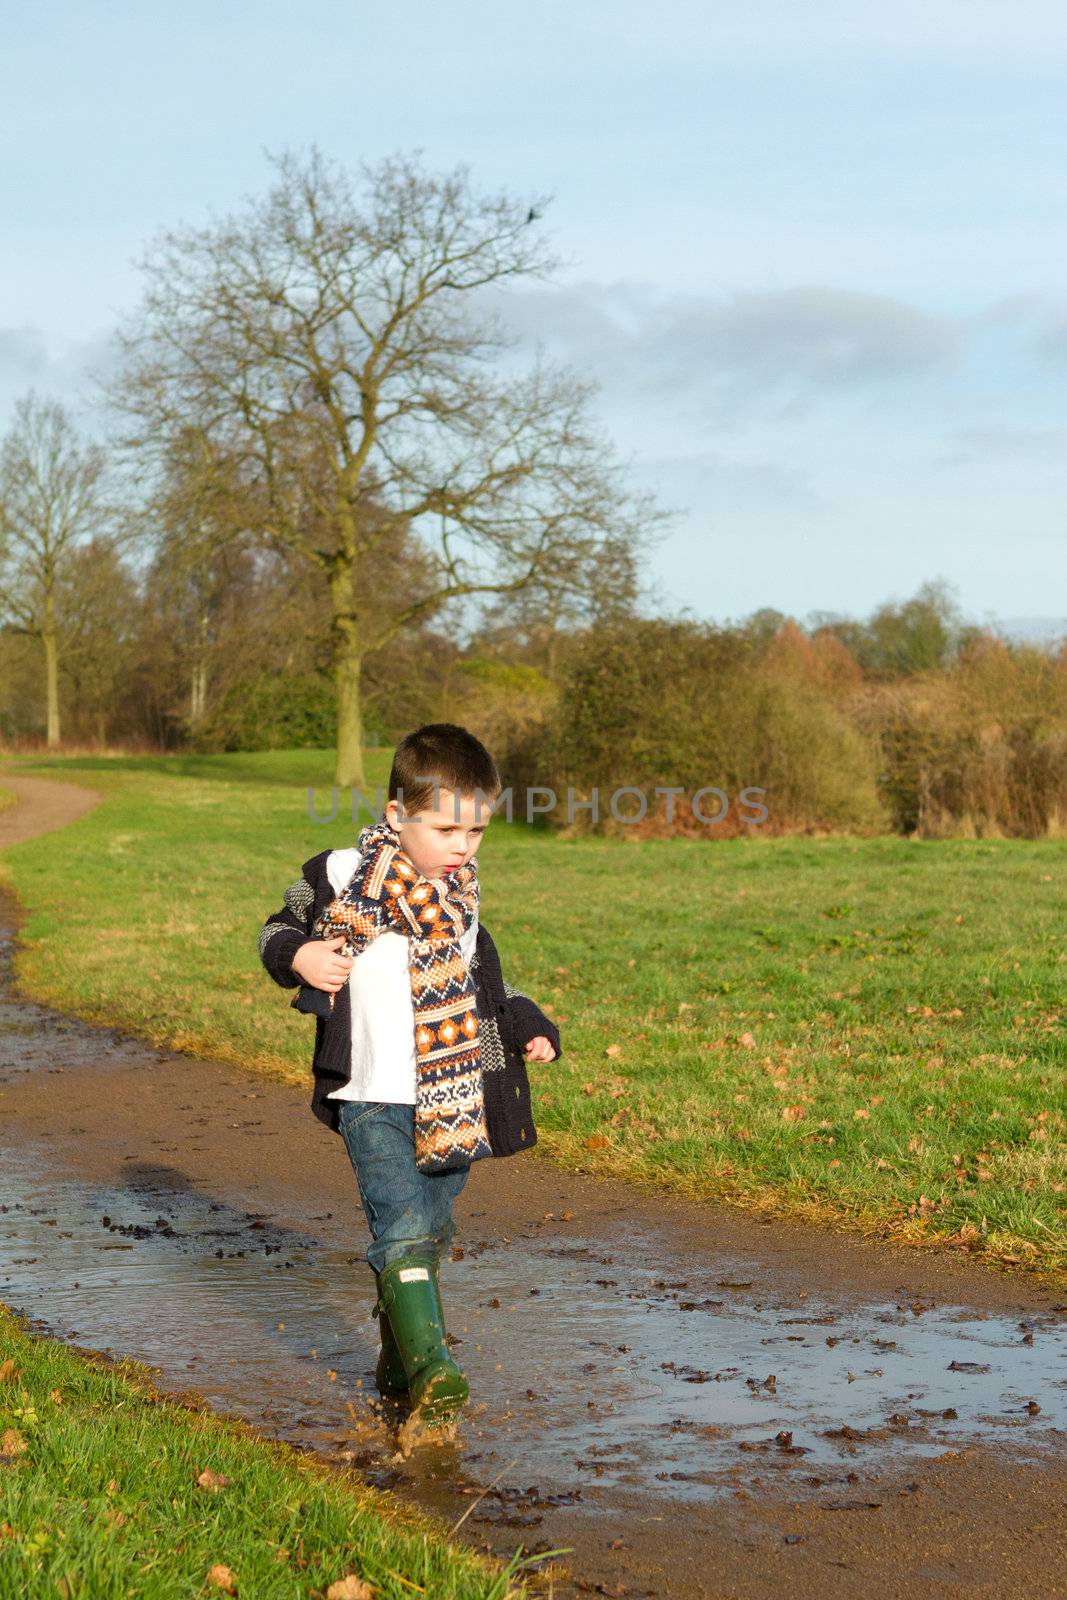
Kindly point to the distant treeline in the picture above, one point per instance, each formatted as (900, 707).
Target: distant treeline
(912, 721)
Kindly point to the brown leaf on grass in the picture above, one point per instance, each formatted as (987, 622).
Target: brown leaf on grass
(793, 1113)
(350, 1588)
(9, 1373)
(590, 1089)
(212, 1480)
(597, 1141)
(56, 1397)
(223, 1578)
(613, 1050)
(748, 1041)
(862, 1115)
(12, 1443)
(6, 1531)
(115, 1517)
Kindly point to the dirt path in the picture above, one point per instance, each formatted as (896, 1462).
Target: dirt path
(694, 1401)
(44, 804)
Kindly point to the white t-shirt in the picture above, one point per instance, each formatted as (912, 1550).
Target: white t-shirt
(383, 1016)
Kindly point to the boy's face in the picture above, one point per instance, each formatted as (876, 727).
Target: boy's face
(442, 837)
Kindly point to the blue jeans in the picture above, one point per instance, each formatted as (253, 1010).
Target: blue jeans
(407, 1211)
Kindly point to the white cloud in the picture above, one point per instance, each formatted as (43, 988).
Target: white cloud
(783, 348)
(23, 355)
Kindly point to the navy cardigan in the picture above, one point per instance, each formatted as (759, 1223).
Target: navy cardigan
(507, 1020)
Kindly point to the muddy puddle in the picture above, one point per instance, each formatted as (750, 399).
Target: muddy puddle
(589, 1373)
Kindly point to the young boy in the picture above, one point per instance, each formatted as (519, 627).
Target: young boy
(420, 1045)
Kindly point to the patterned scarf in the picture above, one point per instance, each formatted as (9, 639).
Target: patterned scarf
(387, 893)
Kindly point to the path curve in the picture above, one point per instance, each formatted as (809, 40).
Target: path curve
(43, 805)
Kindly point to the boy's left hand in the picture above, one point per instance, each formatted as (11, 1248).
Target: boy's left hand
(540, 1049)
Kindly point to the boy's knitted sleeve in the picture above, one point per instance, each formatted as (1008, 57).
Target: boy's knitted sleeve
(530, 1020)
(285, 931)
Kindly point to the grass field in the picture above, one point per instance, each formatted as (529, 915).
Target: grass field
(864, 1032)
(109, 1490)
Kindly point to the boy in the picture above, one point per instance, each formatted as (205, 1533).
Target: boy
(420, 1045)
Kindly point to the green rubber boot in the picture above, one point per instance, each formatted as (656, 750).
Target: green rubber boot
(389, 1374)
(410, 1296)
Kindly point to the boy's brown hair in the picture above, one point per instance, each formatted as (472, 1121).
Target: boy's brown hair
(445, 752)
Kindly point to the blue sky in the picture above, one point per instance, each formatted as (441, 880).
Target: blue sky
(815, 254)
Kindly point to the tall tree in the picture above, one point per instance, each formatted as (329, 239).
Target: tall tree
(51, 500)
(339, 352)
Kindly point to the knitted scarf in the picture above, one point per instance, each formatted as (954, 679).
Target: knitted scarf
(387, 893)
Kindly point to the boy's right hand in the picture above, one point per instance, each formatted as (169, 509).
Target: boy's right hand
(323, 963)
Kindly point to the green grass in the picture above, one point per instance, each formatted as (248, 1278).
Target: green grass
(99, 1498)
(865, 1032)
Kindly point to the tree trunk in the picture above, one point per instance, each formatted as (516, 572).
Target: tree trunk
(198, 687)
(51, 667)
(347, 661)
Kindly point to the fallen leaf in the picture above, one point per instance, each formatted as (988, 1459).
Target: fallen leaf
(862, 1115)
(349, 1588)
(567, 1216)
(613, 1050)
(597, 1141)
(212, 1480)
(8, 1371)
(748, 1040)
(223, 1578)
(12, 1443)
(792, 1113)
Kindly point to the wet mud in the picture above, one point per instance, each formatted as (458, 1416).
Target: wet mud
(691, 1401)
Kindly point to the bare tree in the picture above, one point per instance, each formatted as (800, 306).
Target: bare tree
(337, 352)
(97, 602)
(51, 501)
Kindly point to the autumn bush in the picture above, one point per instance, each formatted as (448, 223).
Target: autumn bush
(691, 705)
(979, 750)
